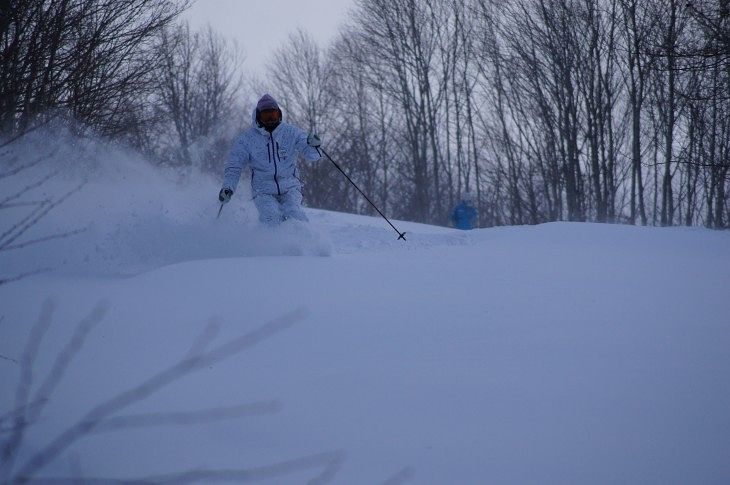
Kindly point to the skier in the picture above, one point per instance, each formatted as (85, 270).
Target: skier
(271, 148)
(464, 215)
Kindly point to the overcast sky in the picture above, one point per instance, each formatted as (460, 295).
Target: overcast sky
(260, 26)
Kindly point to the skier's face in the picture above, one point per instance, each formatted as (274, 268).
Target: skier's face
(269, 117)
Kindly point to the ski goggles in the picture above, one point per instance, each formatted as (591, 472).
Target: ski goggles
(269, 116)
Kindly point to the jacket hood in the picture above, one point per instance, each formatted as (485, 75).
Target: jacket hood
(266, 102)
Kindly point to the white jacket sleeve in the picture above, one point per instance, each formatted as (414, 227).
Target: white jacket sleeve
(238, 159)
(310, 154)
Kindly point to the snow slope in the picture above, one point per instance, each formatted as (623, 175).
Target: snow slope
(559, 353)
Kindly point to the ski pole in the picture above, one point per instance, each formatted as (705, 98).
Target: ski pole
(401, 235)
(219, 211)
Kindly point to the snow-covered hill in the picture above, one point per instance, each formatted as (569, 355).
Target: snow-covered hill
(559, 353)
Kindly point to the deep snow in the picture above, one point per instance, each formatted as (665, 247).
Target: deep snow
(558, 353)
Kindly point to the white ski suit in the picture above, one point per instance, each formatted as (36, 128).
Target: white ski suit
(275, 183)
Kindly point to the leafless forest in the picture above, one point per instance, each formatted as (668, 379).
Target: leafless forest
(580, 110)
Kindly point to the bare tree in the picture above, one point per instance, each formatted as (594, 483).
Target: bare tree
(196, 87)
(89, 58)
(401, 42)
(636, 21)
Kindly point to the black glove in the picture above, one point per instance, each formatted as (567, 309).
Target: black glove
(225, 195)
(313, 140)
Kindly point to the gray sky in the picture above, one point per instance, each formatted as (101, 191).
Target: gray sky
(261, 26)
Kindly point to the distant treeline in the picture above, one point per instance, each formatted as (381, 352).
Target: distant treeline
(582, 110)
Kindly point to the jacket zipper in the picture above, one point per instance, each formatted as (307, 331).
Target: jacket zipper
(273, 155)
(277, 153)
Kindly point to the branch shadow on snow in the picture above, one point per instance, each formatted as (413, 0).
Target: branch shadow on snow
(108, 415)
(27, 214)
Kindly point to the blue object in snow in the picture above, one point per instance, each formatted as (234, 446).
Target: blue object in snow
(464, 216)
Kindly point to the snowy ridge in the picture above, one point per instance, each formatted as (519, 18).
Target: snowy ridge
(559, 353)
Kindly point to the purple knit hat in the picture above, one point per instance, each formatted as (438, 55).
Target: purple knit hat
(266, 102)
